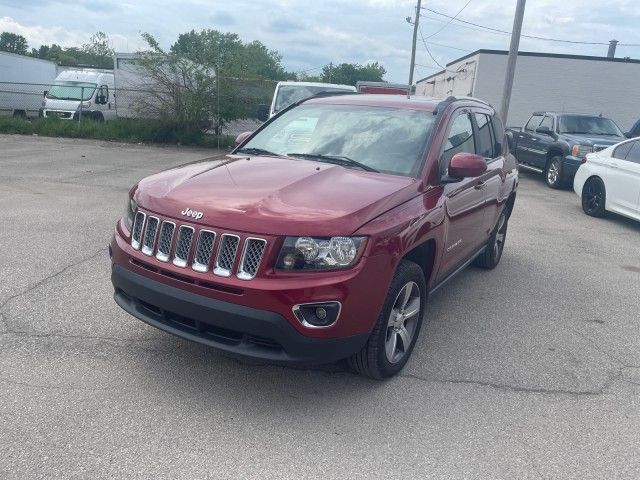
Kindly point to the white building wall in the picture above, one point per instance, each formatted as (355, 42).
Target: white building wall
(544, 83)
(562, 84)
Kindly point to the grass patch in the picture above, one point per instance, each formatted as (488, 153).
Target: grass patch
(120, 129)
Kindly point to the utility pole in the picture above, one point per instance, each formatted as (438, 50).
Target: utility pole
(416, 24)
(511, 62)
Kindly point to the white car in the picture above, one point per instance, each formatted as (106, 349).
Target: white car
(609, 180)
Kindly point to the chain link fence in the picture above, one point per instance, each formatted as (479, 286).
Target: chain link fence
(234, 107)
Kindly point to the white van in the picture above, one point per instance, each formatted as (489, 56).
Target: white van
(81, 92)
(290, 92)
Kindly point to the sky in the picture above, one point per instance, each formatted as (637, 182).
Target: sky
(310, 34)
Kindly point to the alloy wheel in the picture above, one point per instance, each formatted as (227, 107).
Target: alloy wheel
(403, 322)
(593, 197)
(553, 172)
(501, 233)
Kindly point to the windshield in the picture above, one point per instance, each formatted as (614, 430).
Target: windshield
(71, 91)
(288, 94)
(389, 140)
(588, 125)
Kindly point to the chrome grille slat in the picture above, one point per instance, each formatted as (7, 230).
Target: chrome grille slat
(164, 243)
(251, 257)
(136, 231)
(204, 249)
(226, 254)
(149, 239)
(183, 246)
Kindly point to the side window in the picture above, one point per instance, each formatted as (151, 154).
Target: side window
(105, 92)
(623, 150)
(485, 139)
(533, 123)
(547, 121)
(501, 146)
(634, 154)
(460, 139)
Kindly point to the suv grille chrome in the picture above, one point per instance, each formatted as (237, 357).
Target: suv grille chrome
(150, 236)
(251, 258)
(155, 236)
(183, 245)
(136, 233)
(164, 244)
(226, 254)
(204, 247)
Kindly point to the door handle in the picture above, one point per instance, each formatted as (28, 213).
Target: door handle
(520, 136)
(479, 186)
(614, 165)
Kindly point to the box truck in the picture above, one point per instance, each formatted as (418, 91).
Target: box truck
(22, 82)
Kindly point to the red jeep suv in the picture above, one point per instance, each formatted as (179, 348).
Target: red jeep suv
(321, 235)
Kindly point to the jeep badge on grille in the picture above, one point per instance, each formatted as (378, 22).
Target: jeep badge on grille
(187, 212)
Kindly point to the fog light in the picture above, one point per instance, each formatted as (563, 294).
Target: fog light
(317, 315)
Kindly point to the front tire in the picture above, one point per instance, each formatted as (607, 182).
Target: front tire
(394, 335)
(594, 195)
(553, 173)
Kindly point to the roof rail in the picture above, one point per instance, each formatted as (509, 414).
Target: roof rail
(450, 99)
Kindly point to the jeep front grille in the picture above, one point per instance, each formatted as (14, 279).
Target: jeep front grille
(164, 244)
(183, 245)
(201, 247)
(226, 254)
(204, 247)
(150, 236)
(251, 258)
(136, 231)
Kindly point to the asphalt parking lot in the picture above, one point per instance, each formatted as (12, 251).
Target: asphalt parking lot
(528, 371)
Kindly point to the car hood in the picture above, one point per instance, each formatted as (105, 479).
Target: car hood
(54, 104)
(588, 139)
(274, 195)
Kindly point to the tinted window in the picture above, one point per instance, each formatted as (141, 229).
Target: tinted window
(622, 151)
(391, 140)
(547, 122)
(533, 123)
(498, 133)
(460, 138)
(634, 154)
(484, 141)
(582, 124)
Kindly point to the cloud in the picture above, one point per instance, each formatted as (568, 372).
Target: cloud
(223, 19)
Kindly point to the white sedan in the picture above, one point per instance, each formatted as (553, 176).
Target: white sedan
(609, 180)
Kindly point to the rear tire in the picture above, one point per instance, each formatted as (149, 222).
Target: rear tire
(98, 117)
(392, 340)
(553, 172)
(490, 258)
(594, 196)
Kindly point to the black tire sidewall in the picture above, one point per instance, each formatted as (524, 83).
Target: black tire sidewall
(406, 272)
(600, 212)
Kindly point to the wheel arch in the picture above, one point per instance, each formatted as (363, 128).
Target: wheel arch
(424, 256)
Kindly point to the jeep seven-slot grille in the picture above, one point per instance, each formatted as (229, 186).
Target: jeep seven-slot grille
(251, 258)
(185, 244)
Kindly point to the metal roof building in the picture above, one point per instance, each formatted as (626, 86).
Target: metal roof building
(544, 81)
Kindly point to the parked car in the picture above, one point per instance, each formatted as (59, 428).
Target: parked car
(609, 181)
(383, 88)
(317, 249)
(634, 131)
(288, 93)
(555, 143)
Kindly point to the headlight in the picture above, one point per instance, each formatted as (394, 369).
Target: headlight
(308, 253)
(581, 150)
(130, 212)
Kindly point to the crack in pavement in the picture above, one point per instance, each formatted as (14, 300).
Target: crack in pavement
(514, 388)
(41, 282)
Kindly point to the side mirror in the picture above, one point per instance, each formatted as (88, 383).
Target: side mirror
(464, 165)
(242, 137)
(262, 113)
(544, 131)
(44, 94)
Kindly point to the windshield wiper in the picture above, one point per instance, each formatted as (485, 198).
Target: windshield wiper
(258, 151)
(335, 159)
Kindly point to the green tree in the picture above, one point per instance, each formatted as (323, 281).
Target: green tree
(99, 45)
(13, 43)
(351, 73)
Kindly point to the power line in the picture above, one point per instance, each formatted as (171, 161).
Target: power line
(430, 55)
(451, 19)
(535, 37)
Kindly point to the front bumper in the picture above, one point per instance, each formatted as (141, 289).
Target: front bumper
(570, 166)
(233, 328)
